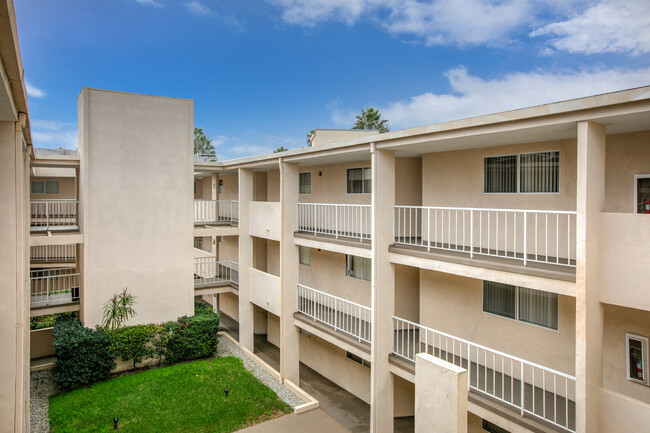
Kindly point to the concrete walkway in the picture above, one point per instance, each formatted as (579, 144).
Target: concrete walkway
(314, 421)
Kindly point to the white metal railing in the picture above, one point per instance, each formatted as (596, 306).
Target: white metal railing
(53, 253)
(208, 271)
(53, 214)
(339, 220)
(531, 388)
(343, 315)
(212, 211)
(53, 286)
(528, 235)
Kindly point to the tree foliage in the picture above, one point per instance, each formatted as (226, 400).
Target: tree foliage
(309, 136)
(280, 149)
(371, 119)
(202, 144)
(118, 309)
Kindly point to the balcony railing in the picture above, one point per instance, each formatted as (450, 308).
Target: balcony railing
(53, 287)
(527, 235)
(530, 388)
(345, 316)
(338, 220)
(54, 215)
(210, 272)
(53, 253)
(216, 211)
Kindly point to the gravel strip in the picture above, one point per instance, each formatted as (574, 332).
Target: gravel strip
(228, 348)
(41, 387)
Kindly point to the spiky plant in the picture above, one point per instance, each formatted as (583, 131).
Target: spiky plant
(118, 309)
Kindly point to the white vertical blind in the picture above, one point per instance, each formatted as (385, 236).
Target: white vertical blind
(500, 174)
(539, 172)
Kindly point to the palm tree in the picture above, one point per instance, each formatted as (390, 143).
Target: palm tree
(310, 136)
(202, 144)
(371, 119)
(118, 309)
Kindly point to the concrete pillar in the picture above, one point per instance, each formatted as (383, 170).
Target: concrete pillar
(590, 202)
(245, 258)
(383, 290)
(215, 182)
(440, 396)
(289, 269)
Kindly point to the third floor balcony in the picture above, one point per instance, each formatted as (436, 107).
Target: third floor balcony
(216, 212)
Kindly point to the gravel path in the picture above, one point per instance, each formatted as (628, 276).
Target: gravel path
(228, 348)
(41, 386)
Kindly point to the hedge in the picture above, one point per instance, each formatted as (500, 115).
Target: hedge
(191, 338)
(136, 342)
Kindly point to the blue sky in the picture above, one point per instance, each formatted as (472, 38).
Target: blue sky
(263, 73)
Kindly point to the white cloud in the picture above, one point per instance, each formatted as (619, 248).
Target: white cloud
(53, 134)
(197, 8)
(615, 26)
(149, 3)
(473, 96)
(434, 21)
(33, 91)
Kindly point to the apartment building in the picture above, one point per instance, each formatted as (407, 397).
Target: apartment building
(513, 246)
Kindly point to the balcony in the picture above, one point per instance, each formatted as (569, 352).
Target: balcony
(208, 272)
(53, 215)
(526, 236)
(53, 253)
(265, 219)
(531, 389)
(216, 212)
(53, 287)
(344, 316)
(347, 221)
(265, 291)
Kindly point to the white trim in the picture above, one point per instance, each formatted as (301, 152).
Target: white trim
(635, 209)
(644, 360)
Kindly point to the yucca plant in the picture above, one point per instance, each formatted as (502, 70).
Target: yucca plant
(118, 309)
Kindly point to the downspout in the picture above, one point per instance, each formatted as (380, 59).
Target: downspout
(282, 333)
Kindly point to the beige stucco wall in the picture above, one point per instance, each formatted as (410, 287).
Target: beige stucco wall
(408, 181)
(259, 320)
(327, 274)
(407, 293)
(229, 248)
(40, 343)
(404, 399)
(273, 186)
(230, 187)
(626, 155)
(324, 137)
(259, 186)
(229, 305)
(273, 329)
(260, 254)
(265, 290)
(618, 321)
(456, 179)
(454, 305)
(331, 361)
(265, 219)
(617, 410)
(331, 185)
(273, 258)
(67, 189)
(136, 154)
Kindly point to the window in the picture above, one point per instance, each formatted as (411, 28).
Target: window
(198, 243)
(304, 256)
(527, 173)
(357, 359)
(45, 187)
(359, 181)
(637, 358)
(358, 267)
(220, 187)
(305, 183)
(194, 188)
(519, 303)
(492, 428)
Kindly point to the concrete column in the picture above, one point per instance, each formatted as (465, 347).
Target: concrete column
(383, 290)
(215, 196)
(289, 269)
(590, 202)
(245, 258)
(440, 396)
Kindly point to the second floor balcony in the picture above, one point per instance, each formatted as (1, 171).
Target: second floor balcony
(528, 236)
(53, 215)
(209, 272)
(53, 287)
(347, 221)
(216, 212)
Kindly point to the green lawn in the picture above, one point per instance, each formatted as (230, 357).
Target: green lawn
(185, 397)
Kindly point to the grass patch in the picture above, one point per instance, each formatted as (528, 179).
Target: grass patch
(180, 398)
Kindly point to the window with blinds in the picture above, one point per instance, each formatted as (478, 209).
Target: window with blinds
(358, 267)
(305, 183)
(519, 303)
(359, 180)
(526, 173)
(539, 172)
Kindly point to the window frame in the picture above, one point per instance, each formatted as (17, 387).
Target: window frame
(635, 208)
(516, 318)
(644, 359)
(44, 184)
(518, 172)
(363, 188)
(300, 184)
(348, 269)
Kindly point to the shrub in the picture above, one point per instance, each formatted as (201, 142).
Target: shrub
(201, 308)
(134, 342)
(191, 338)
(49, 320)
(83, 355)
